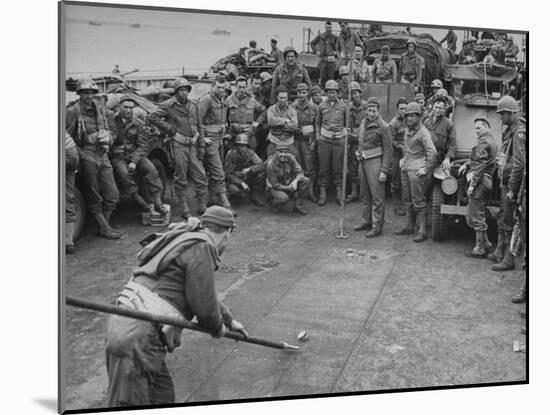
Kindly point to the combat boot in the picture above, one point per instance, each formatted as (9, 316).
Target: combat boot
(363, 226)
(69, 244)
(478, 250)
(488, 245)
(159, 206)
(354, 195)
(104, 229)
(374, 232)
(311, 193)
(201, 203)
(298, 207)
(339, 196)
(397, 208)
(421, 235)
(508, 263)
(409, 225)
(498, 253)
(107, 215)
(143, 205)
(225, 203)
(322, 196)
(256, 199)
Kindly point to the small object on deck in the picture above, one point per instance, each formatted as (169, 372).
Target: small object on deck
(302, 336)
(518, 347)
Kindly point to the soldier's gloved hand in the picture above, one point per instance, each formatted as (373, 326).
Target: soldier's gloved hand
(200, 153)
(239, 328)
(131, 168)
(383, 177)
(171, 337)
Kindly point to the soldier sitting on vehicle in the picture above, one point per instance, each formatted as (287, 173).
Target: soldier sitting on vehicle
(129, 156)
(412, 65)
(384, 69)
(285, 180)
(244, 171)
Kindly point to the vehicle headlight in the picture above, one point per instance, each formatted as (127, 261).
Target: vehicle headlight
(449, 185)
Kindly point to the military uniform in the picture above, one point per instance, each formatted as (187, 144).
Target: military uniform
(384, 71)
(360, 70)
(357, 115)
(325, 44)
(279, 175)
(283, 125)
(290, 77)
(71, 165)
(397, 130)
(235, 163)
(182, 122)
(305, 137)
(375, 153)
(241, 114)
(443, 133)
(411, 68)
(346, 44)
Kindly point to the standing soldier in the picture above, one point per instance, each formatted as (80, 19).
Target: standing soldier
(436, 86)
(451, 39)
(359, 66)
(330, 131)
(129, 156)
(244, 171)
(244, 113)
(374, 152)
(346, 44)
(343, 83)
(412, 65)
(71, 164)
(315, 95)
(511, 165)
(443, 133)
(87, 124)
(479, 172)
(282, 120)
(418, 155)
(324, 45)
(285, 180)
(289, 74)
(305, 137)
(213, 116)
(397, 129)
(384, 69)
(276, 53)
(179, 118)
(358, 111)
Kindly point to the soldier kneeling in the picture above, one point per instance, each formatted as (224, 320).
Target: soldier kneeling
(286, 180)
(244, 171)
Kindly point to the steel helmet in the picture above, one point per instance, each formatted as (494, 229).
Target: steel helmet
(442, 92)
(354, 86)
(86, 84)
(413, 108)
(242, 139)
(411, 40)
(507, 103)
(290, 49)
(220, 216)
(436, 83)
(331, 84)
(265, 76)
(181, 83)
(344, 70)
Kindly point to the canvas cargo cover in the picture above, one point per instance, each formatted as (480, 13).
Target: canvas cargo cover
(478, 72)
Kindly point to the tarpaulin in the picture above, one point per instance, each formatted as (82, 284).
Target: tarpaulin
(480, 72)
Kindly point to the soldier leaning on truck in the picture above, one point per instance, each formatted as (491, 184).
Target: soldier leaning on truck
(86, 122)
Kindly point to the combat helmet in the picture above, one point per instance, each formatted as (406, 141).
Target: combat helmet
(507, 103)
(86, 84)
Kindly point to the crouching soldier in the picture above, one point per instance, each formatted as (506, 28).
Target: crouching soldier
(244, 171)
(129, 156)
(479, 172)
(286, 180)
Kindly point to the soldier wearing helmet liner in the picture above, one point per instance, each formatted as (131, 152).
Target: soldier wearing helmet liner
(179, 118)
(285, 180)
(411, 67)
(358, 111)
(289, 74)
(324, 45)
(86, 122)
(374, 153)
(305, 137)
(511, 165)
(384, 69)
(479, 172)
(129, 156)
(244, 171)
(331, 131)
(346, 43)
(418, 155)
(174, 278)
(397, 130)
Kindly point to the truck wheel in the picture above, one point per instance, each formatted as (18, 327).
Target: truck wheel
(166, 194)
(438, 221)
(80, 213)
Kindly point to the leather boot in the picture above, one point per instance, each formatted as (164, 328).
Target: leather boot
(498, 253)
(201, 203)
(508, 263)
(159, 206)
(354, 195)
(363, 226)
(421, 219)
(374, 232)
(488, 245)
(69, 244)
(409, 224)
(143, 205)
(225, 202)
(311, 193)
(256, 199)
(107, 215)
(478, 250)
(298, 205)
(339, 196)
(397, 208)
(322, 196)
(104, 229)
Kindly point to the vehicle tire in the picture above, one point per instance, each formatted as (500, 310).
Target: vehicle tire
(438, 221)
(80, 214)
(166, 193)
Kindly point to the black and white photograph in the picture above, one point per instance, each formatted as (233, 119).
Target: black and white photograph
(261, 207)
